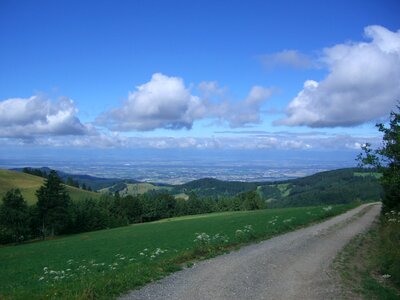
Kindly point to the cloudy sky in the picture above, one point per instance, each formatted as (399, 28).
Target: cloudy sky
(197, 74)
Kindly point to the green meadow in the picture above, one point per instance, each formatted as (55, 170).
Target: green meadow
(29, 184)
(104, 264)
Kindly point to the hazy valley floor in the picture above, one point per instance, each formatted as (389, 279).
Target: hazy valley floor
(296, 265)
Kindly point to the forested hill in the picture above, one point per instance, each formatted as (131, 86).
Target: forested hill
(207, 187)
(336, 186)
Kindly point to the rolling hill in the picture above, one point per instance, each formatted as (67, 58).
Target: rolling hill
(95, 183)
(28, 184)
(336, 186)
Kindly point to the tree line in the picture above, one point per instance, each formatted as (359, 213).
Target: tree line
(56, 213)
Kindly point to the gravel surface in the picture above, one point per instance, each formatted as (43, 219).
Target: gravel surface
(296, 265)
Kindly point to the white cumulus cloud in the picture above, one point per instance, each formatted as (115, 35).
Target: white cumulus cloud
(363, 84)
(38, 116)
(165, 102)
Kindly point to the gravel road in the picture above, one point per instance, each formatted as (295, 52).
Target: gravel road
(296, 265)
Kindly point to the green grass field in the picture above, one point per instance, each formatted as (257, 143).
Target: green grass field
(106, 263)
(28, 184)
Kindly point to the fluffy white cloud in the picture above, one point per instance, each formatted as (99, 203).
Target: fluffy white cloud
(165, 102)
(37, 116)
(292, 58)
(363, 84)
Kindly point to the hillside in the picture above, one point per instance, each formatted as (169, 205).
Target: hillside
(28, 184)
(211, 187)
(330, 187)
(95, 183)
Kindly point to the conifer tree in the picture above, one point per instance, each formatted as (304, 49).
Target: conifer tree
(14, 216)
(53, 204)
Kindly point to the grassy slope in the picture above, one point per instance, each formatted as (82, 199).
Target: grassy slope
(139, 188)
(28, 184)
(120, 250)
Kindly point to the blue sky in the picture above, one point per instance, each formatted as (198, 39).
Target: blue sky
(197, 74)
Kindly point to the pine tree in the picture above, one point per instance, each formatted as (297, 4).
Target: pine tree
(14, 215)
(53, 204)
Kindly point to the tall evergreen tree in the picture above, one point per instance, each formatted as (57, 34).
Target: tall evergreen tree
(14, 216)
(53, 204)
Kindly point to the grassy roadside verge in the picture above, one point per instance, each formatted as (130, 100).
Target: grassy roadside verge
(106, 263)
(369, 265)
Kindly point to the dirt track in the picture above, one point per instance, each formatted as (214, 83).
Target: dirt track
(295, 265)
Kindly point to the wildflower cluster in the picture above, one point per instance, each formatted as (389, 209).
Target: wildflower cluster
(273, 221)
(327, 208)
(245, 234)
(77, 269)
(219, 239)
(393, 216)
(74, 270)
(288, 220)
(202, 238)
(205, 243)
(55, 275)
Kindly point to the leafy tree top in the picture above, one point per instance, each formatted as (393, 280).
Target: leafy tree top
(387, 160)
